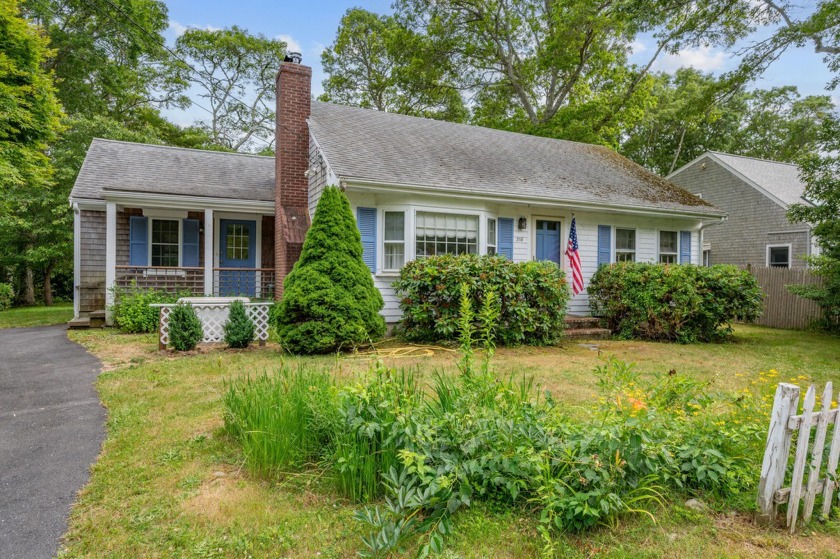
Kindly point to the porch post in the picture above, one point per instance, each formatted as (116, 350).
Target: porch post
(209, 240)
(110, 257)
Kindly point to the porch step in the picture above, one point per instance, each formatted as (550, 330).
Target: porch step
(588, 334)
(81, 323)
(582, 322)
(97, 319)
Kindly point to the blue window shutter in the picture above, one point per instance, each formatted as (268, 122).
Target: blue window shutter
(189, 243)
(604, 244)
(685, 247)
(366, 219)
(505, 233)
(138, 241)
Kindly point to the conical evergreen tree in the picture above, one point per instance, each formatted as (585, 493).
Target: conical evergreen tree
(329, 300)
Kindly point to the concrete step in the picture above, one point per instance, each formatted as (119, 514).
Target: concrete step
(588, 334)
(581, 322)
(81, 323)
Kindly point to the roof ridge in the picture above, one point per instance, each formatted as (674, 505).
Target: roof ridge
(179, 148)
(752, 158)
(458, 124)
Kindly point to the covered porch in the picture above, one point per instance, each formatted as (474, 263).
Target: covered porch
(196, 251)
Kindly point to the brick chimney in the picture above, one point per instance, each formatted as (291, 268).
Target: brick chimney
(291, 160)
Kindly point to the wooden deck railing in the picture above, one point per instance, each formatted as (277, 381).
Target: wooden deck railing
(170, 279)
(249, 282)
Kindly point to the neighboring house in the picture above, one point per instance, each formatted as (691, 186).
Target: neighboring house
(755, 194)
(215, 223)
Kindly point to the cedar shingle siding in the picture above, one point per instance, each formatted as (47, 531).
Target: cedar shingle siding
(754, 220)
(92, 266)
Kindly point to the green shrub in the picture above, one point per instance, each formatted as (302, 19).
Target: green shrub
(185, 330)
(239, 329)
(329, 300)
(132, 313)
(283, 420)
(7, 296)
(679, 303)
(533, 297)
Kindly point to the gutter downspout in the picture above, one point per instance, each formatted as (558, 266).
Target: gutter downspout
(702, 227)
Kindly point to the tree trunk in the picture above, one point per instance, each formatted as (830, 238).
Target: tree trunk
(48, 298)
(28, 287)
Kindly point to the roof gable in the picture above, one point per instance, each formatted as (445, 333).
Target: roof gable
(112, 165)
(364, 144)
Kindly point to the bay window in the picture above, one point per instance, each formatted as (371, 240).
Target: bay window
(444, 233)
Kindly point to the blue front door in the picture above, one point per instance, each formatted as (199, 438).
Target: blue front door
(237, 257)
(548, 240)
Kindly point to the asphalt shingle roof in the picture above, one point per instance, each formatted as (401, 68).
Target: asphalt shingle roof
(779, 179)
(133, 167)
(397, 149)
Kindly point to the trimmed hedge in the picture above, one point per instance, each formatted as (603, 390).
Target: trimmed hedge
(533, 297)
(673, 302)
(7, 296)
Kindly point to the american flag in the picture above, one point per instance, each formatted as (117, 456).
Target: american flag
(574, 259)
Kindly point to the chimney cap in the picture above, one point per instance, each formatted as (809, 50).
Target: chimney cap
(293, 57)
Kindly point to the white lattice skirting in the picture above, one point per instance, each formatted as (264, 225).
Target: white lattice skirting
(213, 314)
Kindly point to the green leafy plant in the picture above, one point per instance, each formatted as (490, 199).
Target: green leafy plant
(532, 297)
(132, 311)
(329, 300)
(7, 296)
(678, 303)
(185, 330)
(239, 329)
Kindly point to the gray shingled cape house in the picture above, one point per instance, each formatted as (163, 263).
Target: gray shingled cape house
(756, 194)
(223, 224)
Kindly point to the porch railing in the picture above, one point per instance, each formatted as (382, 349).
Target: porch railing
(248, 282)
(171, 279)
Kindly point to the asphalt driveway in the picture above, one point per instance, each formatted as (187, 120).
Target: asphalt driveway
(51, 430)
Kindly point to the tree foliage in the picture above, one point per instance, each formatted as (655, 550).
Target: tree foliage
(377, 62)
(694, 112)
(235, 73)
(29, 122)
(329, 300)
(821, 173)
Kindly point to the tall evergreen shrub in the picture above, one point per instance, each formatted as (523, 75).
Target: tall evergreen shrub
(185, 329)
(239, 329)
(329, 300)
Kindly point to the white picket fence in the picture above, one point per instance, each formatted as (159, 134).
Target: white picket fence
(784, 422)
(213, 312)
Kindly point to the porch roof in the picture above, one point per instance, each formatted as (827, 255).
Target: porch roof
(142, 168)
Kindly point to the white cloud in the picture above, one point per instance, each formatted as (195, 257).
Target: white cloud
(291, 44)
(637, 46)
(177, 28)
(704, 59)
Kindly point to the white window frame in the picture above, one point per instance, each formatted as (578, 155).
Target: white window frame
(180, 222)
(445, 211)
(617, 251)
(789, 248)
(495, 243)
(659, 252)
(393, 242)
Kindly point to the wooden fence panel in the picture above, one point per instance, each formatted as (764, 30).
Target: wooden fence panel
(783, 309)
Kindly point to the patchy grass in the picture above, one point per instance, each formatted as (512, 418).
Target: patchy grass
(24, 317)
(170, 484)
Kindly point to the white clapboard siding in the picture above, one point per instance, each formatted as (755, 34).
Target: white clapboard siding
(809, 479)
(391, 310)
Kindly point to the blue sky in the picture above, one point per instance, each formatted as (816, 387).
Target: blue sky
(311, 26)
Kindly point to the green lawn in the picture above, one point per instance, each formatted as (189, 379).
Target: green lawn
(23, 317)
(170, 484)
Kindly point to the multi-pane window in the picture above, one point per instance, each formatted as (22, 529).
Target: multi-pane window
(165, 242)
(778, 256)
(668, 247)
(491, 237)
(625, 245)
(394, 240)
(237, 241)
(440, 233)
